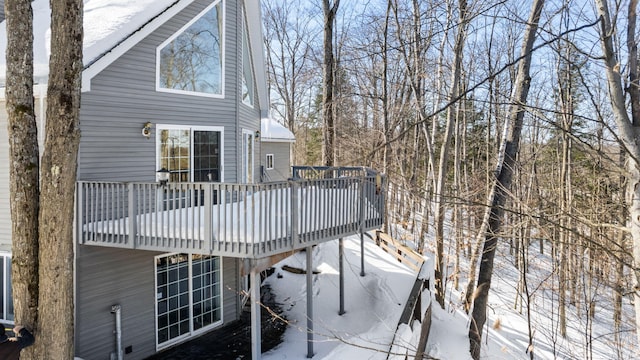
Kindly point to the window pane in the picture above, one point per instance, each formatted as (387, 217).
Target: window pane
(269, 161)
(247, 73)
(9, 291)
(174, 153)
(193, 60)
(206, 154)
(173, 305)
(207, 307)
(175, 311)
(5, 287)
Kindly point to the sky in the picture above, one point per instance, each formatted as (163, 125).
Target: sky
(374, 304)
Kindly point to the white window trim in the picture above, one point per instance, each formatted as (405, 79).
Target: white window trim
(192, 333)
(223, 52)
(191, 129)
(266, 162)
(245, 33)
(4, 257)
(251, 135)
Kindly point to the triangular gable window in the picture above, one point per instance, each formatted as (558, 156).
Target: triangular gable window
(247, 68)
(191, 61)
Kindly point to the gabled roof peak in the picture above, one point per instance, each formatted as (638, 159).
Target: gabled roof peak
(107, 23)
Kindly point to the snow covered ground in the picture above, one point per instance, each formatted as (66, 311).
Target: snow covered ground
(374, 304)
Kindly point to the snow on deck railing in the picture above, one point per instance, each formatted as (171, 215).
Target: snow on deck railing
(241, 220)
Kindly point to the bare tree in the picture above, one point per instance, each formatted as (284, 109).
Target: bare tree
(24, 161)
(58, 179)
(458, 48)
(628, 133)
(502, 184)
(287, 36)
(328, 72)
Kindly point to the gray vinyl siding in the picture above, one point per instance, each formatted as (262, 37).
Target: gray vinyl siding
(5, 210)
(248, 116)
(109, 276)
(281, 160)
(230, 289)
(123, 97)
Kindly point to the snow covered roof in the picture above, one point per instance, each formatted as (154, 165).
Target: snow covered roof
(106, 24)
(273, 131)
(112, 27)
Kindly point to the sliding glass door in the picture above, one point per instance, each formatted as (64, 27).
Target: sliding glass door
(188, 296)
(191, 154)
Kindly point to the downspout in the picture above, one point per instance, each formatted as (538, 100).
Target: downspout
(115, 309)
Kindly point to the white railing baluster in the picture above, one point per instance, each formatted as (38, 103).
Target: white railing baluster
(132, 223)
(295, 220)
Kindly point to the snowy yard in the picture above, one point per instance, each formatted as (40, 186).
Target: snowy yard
(374, 304)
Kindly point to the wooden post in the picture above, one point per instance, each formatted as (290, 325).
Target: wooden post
(256, 331)
(309, 303)
(362, 194)
(341, 268)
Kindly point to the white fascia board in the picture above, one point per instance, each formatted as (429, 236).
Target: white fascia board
(254, 24)
(276, 140)
(112, 55)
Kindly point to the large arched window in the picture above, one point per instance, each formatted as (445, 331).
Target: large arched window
(191, 61)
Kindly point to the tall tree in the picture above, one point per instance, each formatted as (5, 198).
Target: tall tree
(628, 128)
(502, 184)
(439, 215)
(58, 180)
(287, 35)
(23, 159)
(329, 9)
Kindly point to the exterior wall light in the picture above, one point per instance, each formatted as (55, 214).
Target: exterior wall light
(162, 176)
(257, 135)
(146, 130)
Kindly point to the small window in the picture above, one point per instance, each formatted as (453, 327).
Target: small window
(269, 162)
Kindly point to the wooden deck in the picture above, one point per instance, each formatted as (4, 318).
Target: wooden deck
(236, 220)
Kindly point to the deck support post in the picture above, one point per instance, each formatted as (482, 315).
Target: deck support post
(341, 268)
(309, 303)
(254, 278)
(362, 253)
(362, 182)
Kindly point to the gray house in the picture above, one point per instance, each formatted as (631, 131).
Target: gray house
(171, 216)
(275, 144)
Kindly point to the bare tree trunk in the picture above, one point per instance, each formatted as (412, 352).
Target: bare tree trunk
(23, 162)
(287, 67)
(439, 215)
(629, 134)
(328, 72)
(59, 162)
(502, 184)
(413, 60)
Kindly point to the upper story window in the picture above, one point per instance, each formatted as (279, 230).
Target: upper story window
(191, 61)
(247, 72)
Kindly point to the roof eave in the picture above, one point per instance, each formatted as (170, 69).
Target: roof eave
(111, 55)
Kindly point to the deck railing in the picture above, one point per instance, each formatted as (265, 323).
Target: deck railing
(240, 220)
